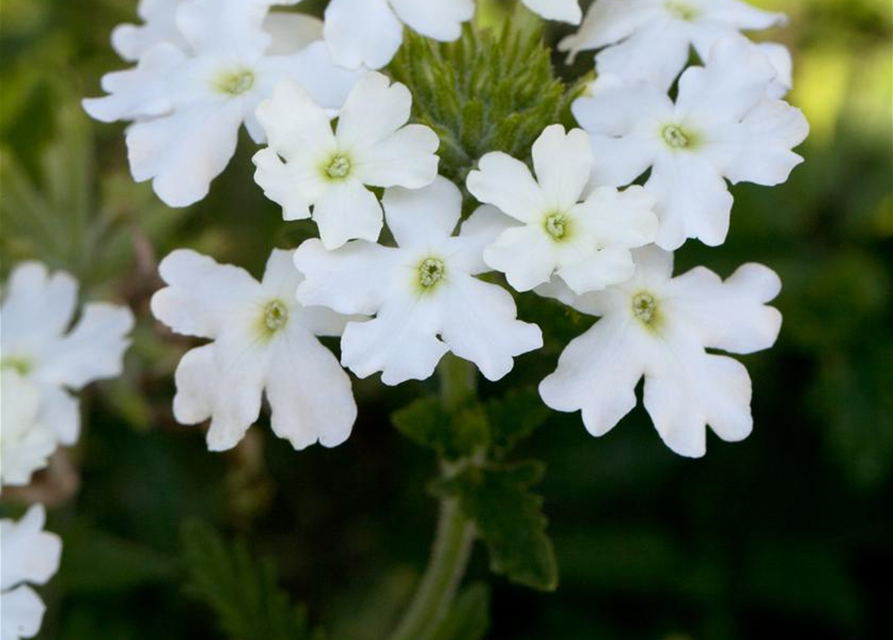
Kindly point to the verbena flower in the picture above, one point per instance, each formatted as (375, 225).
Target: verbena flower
(651, 39)
(424, 288)
(26, 443)
(722, 125)
(188, 102)
(562, 10)
(660, 327)
(30, 556)
(263, 341)
(587, 244)
(369, 32)
(307, 164)
(40, 343)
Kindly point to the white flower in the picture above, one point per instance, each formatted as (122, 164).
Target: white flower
(651, 38)
(369, 32)
(29, 555)
(307, 164)
(37, 311)
(588, 243)
(422, 289)
(263, 340)
(563, 10)
(660, 327)
(189, 101)
(722, 125)
(25, 442)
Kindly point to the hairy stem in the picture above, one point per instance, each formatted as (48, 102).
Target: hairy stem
(455, 533)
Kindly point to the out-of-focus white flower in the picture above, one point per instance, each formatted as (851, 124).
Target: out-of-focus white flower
(652, 38)
(308, 165)
(290, 31)
(562, 10)
(422, 289)
(369, 32)
(30, 556)
(263, 340)
(37, 311)
(587, 244)
(189, 101)
(660, 327)
(25, 442)
(722, 125)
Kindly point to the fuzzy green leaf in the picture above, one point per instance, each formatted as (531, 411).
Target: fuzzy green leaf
(515, 417)
(452, 436)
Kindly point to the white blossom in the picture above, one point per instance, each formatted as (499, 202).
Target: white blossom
(562, 10)
(651, 39)
(29, 556)
(659, 327)
(422, 289)
(722, 125)
(587, 244)
(37, 312)
(26, 443)
(188, 97)
(369, 32)
(307, 164)
(263, 341)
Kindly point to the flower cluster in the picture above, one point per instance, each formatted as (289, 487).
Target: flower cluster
(398, 274)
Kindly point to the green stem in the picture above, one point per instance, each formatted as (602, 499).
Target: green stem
(455, 533)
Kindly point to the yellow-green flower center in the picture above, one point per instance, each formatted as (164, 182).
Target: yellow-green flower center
(675, 137)
(338, 167)
(236, 82)
(275, 316)
(20, 365)
(557, 225)
(644, 307)
(682, 10)
(431, 271)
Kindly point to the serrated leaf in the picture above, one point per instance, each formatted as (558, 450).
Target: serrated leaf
(452, 436)
(468, 617)
(244, 594)
(509, 519)
(515, 417)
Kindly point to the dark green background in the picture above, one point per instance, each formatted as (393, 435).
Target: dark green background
(787, 535)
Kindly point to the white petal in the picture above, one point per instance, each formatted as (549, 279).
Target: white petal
(562, 162)
(481, 229)
(423, 218)
(60, 412)
(93, 350)
(37, 307)
(22, 614)
(295, 125)
(624, 218)
(287, 184)
(373, 111)
(731, 315)
(438, 19)
(480, 324)
(131, 41)
(183, 152)
(741, 15)
(693, 201)
(597, 373)
(526, 255)
(27, 443)
(362, 32)
(507, 184)
(349, 280)
(406, 158)
(562, 10)
(781, 60)
(309, 393)
(347, 210)
(400, 342)
(656, 53)
(291, 32)
(608, 22)
(229, 26)
(601, 268)
(30, 554)
(221, 381)
(202, 297)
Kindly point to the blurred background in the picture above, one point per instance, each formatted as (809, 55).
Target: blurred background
(786, 535)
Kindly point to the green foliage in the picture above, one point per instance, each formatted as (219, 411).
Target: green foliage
(487, 91)
(452, 435)
(509, 520)
(245, 595)
(468, 617)
(513, 418)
